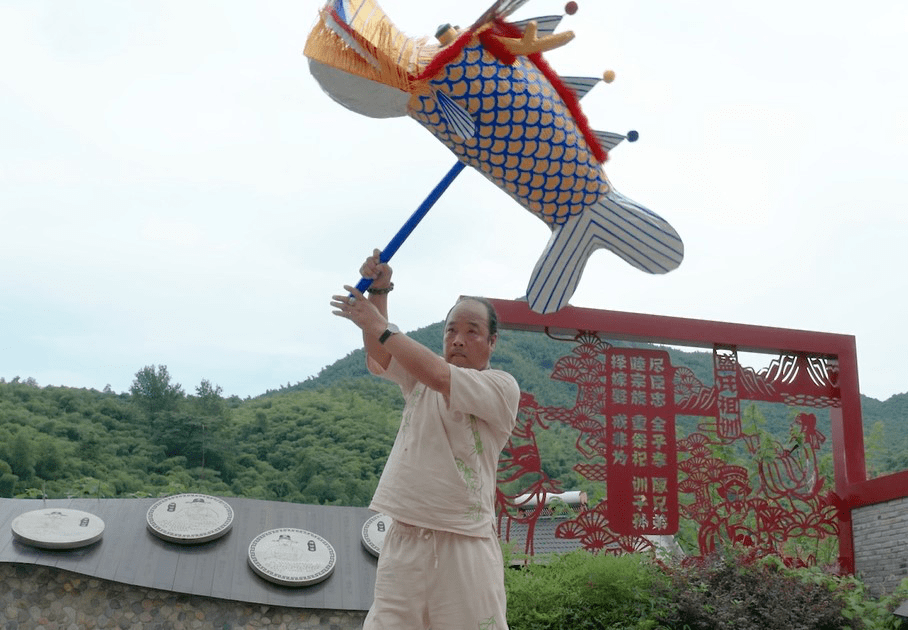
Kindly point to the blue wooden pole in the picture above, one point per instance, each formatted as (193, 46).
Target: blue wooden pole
(414, 220)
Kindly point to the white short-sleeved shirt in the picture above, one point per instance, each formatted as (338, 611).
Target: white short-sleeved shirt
(442, 470)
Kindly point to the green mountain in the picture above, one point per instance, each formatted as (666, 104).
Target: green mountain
(323, 440)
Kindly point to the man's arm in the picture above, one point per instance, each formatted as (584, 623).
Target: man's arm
(371, 316)
(374, 349)
(426, 367)
(381, 279)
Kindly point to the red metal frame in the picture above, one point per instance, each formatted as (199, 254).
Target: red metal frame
(852, 488)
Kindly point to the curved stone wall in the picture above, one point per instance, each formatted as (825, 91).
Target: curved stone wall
(128, 553)
(33, 596)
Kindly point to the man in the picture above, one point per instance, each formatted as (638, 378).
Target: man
(440, 564)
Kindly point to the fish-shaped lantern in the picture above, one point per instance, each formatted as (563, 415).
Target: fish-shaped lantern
(487, 93)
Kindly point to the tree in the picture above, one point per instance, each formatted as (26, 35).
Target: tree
(21, 457)
(7, 480)
(7, 484)
(49, 460)
(152, 390)
(208, 399)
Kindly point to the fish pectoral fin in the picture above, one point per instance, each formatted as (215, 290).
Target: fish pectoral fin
(639, 236)
(459, 119)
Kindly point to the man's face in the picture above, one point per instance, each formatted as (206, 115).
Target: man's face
(467, 342)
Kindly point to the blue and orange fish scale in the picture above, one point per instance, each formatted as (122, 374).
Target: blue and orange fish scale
(525, 142)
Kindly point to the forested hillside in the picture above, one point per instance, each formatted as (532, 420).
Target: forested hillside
(323, 440)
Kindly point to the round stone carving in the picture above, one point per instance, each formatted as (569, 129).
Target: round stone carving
(374, 533)
(292, 557)
(57, 528)
(190, 519)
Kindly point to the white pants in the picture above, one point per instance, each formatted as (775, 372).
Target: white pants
(439, 580)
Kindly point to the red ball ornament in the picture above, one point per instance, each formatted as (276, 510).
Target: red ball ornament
(570, 8)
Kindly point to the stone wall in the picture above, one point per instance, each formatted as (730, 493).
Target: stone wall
(33, 596)
(881, 544)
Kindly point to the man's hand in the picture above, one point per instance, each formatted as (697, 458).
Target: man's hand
(360, 311)
(377, 270)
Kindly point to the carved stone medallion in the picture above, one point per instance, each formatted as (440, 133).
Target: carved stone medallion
(57, 528)
(190, 519)
(374, 533)
(292, 557)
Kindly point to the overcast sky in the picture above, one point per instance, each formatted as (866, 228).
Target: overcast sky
(176, 189)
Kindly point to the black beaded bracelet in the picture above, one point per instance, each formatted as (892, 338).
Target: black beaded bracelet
(387, 289)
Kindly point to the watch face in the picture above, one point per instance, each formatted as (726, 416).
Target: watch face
(390, 330)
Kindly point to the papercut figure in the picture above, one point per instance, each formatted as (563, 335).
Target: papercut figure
(487, 93)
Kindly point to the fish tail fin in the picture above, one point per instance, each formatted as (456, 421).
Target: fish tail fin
(634, 233)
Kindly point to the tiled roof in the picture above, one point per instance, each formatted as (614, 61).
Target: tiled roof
(544, 540)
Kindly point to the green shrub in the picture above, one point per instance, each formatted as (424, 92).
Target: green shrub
(859, 607)
(582, 590)
(722, 593)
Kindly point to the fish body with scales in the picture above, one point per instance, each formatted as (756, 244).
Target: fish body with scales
(506, 119)
(525, 140)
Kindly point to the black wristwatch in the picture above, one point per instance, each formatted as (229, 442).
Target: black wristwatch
(390, 330)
